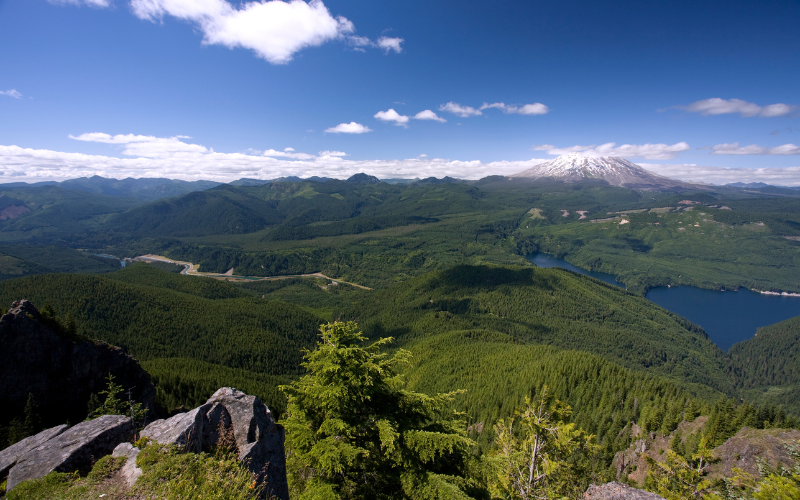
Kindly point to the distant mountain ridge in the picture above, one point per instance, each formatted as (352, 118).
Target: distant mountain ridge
(145, 189)
(574, 167)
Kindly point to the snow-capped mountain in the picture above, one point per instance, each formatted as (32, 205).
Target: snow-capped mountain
(616, 171)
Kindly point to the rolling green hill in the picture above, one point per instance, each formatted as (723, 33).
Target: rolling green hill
(221, 210)
(551, 307)
(58, 214)
(176, 316)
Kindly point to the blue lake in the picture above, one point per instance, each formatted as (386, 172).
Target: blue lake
(728, 317)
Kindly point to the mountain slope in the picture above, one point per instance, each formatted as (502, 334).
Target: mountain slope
(616, 171)
(766, 368)
(547, 306)
(221, 210)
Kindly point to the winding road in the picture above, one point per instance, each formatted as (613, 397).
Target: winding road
(191, 269)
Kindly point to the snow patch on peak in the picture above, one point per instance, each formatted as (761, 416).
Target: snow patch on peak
(573, 167)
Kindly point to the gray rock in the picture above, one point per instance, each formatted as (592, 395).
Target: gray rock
(130, 472)
(77, 448)
(259, 439)
(12, 454)
(183, 429)
(231, 418)
(618, 491)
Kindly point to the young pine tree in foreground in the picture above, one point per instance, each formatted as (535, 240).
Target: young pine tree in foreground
(354, 433)
(539, 453)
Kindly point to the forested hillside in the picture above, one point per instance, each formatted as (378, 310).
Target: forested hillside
(196, 320)
(550, 307)
(766, 367)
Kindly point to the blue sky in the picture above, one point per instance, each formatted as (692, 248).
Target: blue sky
(705, 91)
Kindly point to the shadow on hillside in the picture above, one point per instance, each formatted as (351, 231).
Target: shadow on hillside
(488, 277)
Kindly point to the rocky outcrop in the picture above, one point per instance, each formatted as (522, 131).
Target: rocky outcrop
(76, 448)
(234, 419)
(11, 455)
(617, 491)
(60, 369)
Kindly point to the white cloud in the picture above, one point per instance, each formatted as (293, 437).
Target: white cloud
(647, 151)
(754, 149)
(195, 162)
(788, 176)
(717, 106)
(274, 30)
(91, 3)
(348, 128)
(11, 93)
(459, 110)
(428, 115)
(390, 44)
(391, 115)
(288, 153)
(536, 108)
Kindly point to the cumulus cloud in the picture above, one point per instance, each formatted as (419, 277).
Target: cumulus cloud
(646, 151)
(428, 115)
(788, 176)
(348, 128)
(536, 108)
(194, 161)
(390, 44)
(754, 149)
(288, 153)
(91, 3)
(274, 30)
(11, 93)
(717, 106)
(459, 110)
(393, 116)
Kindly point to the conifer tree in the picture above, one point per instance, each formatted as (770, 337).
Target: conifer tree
(538, 453)
(353, 432)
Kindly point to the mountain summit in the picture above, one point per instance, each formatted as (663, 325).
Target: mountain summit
(574, 167)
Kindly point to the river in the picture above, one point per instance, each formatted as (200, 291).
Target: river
(728, 317)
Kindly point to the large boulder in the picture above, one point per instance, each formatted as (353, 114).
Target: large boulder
(618, 491)
(231, 418)
(76, 448)
(59, 368)
(11, 455)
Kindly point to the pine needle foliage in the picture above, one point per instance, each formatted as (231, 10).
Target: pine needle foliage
(353, 432)
(539, 453)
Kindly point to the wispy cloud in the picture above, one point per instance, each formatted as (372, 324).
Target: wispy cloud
(275, 30)
(390, 115)
(428, 115)
(11, 93)
(459, 110)
(348, 128)
(536, 108)
(717, 106)
(646, 151)
(390, 44)
(332, 153)
(754, 149)
(91, 3)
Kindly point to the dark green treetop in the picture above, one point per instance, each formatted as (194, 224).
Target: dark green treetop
(354, 432)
